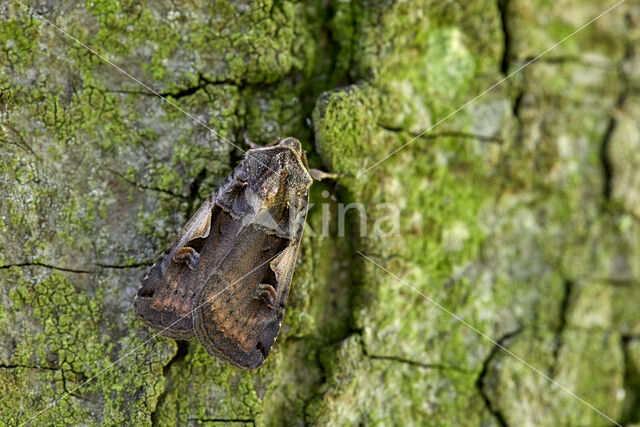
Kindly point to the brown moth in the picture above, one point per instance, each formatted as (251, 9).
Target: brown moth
(226, 277)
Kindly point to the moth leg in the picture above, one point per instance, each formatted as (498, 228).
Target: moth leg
(319, 175)
(265, 294)
(187, 255)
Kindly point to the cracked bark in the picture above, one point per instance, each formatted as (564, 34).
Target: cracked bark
(503, 6)
(480, 382)
(179, 356)
(435, 366)
(185, 91)
(397, 359)
(146, 187)
(605, 155)
(562, 324)
(46, 265)
(631, 411)
(49, 368)
(224, 420)
(430, 136)
(77, 270)
(561, 60)
(359, 284)
(73, 391)
(45, 368)
(141, 264)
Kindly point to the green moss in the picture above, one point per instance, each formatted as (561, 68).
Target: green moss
(500, 210)
(600, 351)
(66, 347)
(200, 387)
(369, 390)
(534, 34)
(344, 123)
(631, 412)
(18, 37)
(231, 41)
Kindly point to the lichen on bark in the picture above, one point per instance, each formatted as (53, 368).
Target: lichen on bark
(519, 213)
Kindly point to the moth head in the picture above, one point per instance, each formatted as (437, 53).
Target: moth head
(278, 173)
(293, 143)
(300, 170)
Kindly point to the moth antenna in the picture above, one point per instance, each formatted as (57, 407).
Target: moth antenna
(319, 175)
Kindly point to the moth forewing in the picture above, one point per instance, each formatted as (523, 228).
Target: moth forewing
(238, 313)
(163, 300)
(226, 277)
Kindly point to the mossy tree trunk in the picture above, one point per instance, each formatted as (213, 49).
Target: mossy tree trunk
(520, 213)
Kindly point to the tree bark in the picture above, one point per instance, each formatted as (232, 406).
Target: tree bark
(487, 272)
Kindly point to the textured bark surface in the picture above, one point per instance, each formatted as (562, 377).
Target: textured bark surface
(520, 213)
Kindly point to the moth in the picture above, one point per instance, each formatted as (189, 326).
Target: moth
(225, 279)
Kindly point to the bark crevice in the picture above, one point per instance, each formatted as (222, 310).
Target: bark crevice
(605, 152)
(503, 6)
(246, 421)
(146, 187)
(50, 266)
(141, 264)
(434, 366)
(431, 136)
(631, 406)
(562, 325)
(179, 356)
(481, 381)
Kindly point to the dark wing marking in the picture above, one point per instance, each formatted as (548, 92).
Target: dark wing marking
(228, 319)
(163, 301)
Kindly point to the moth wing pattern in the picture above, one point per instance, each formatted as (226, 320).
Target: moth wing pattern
(226, 277)
(163, 299)
(230, 317)
(229, 321)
